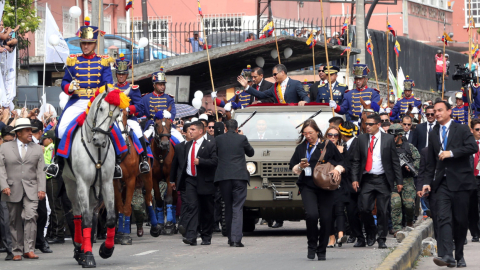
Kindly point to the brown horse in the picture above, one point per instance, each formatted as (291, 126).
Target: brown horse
(367, 110)
(418, 119)
(130, 169)
(163, 152)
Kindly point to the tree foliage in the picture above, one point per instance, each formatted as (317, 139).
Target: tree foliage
(26, 16)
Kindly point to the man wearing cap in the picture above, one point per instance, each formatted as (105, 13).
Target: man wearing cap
(351, 101)
(158, 99)
(402, 105)
(241, 99)
(322, 80)
(5, 236)
(22, 182)
(338, 89)
(135, 109)
(195, 41)
(460, 112)
(440, 69)
(84, 74)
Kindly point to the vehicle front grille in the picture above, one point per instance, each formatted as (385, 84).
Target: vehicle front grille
(276, 169)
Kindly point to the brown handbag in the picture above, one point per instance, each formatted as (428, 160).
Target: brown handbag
(321, 174)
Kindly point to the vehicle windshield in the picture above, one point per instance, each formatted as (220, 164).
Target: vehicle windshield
(278, 126)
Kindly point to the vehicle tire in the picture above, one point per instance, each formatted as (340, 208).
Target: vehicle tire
(223, 220)
(248, 225)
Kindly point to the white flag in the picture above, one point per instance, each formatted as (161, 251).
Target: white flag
(10, 77)
(2, 7)
(51, 28)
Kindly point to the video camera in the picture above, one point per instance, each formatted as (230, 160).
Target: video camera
(463, 74)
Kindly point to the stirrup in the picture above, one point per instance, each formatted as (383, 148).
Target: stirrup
(144, 163)
(51, 170)
(117, 173)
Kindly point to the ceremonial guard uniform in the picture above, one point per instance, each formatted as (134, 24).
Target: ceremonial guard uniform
(475, 99)
(351, 102)
(401, 107)
(241, 99)
(460, 112)
(135, 109)
(338, 89)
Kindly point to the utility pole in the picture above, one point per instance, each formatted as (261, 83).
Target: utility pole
(97, 19)
(146, 50)
(361, 29)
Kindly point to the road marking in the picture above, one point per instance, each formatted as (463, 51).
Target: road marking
(145, 253)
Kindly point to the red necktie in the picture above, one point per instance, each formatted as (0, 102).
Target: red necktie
(475, 162)
(192, 157)
(368, 166)
(258, 87)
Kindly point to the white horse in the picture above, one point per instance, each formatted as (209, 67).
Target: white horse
(88, 174)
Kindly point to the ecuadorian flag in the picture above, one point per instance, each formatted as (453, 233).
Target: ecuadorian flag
(129, 5)
(311, 41)
(268, 28)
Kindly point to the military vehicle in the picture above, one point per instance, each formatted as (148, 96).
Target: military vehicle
(273, 194)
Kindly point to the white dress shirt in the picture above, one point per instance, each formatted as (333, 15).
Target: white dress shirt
(20, 145)
(407, 134)
(198, 143)
(349, 143)
(377, 167)
(428, 128)
(261, 136)
(283, 85)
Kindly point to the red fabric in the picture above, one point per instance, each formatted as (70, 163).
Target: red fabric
(258, 87)
(440, 64)
(288, 104)
(337, 109)
(81, 119)
(113, 97)
(65, 89)
(192, 157)
(87, 240)
(90, 56)
(368, 165)
(122, 84)
(110, 235)
(218, 101)
(133, 110)
(77, 220)
(475, 162)
(157, 95)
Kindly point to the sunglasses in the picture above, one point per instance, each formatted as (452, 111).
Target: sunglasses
(477, 129)
(370, 124)
(332, 135)
(429, 114)
(320, 70)
(275, 74)
(385, 120)
(405, 124)
(210, 127)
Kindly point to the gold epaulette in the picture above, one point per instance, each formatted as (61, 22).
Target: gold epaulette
(106, 60)
(322, 85)
(71, 60)
(342, 85)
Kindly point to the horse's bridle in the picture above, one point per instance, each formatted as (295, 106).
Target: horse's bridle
(158, 139)
(96, 129)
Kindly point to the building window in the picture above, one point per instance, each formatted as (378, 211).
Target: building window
(475, 12)
(40, 32)
(157, 29)
(222, 23)
(107, 24)
(122, 27)
(69, 24)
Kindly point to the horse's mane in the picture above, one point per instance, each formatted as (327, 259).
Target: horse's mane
(115, 97)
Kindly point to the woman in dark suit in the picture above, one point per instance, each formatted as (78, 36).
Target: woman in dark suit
(318, 203)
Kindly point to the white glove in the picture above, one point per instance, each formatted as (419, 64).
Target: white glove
(415, 110)
(333, 104)
(388, 110)
(368, 102)
(73, 86)
(381, 110)
(149, 132)
(356, 123)
(406, 110)
(214, 95)
(228, 107)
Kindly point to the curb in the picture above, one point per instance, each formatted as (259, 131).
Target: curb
(404, 256)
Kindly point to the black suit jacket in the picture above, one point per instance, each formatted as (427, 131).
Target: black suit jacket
(390, 160)
(422, 169)
(458, 171)
(263, 87)
(293, 94)
(348, 160)
(207, 156)
(231, 151)
(412, 137)
(177, 162)
(420, 140)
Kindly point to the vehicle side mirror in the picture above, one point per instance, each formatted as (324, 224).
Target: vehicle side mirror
(129, 46)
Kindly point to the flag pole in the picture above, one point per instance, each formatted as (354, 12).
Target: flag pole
(45, 53)
(476, 34)
(276, 42)
(133, 43)
(396, 61)
(313, 53)
(444, 64)
(388, 63)
(326, 54)
(210, 65)
(348, 60)
(469, 52)
(99, 16)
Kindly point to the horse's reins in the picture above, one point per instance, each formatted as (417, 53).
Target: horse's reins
(158, 140)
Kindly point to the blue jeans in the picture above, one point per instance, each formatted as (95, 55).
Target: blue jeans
(439, 81)
(424, 204)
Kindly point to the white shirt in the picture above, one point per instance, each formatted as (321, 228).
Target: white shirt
(260, 84)
(428, 128)
(20, 145)
(349, 142)
(35, 140)
(261, 136)
(198, 143)
(407, 134)
(283, 85)
(377, 167)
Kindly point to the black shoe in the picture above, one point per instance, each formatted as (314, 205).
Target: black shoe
(191, 242)
(360, 243)
(3, 250)
(381, 244)
(311, 254)
(445, 261)
(237, 244)
(206, 243)
(45, 248)
(56, 240)
(466, 242)
(322, 256)
(181, 229)
(277, 225)
(117, 174)
(370, 241)
(9, 256)
(461, 263)
(475, 239)
(351, 239)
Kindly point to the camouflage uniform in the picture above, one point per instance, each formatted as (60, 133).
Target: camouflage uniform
(138, 206)
(408, 195)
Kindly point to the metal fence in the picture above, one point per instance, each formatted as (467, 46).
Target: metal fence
(174, 38)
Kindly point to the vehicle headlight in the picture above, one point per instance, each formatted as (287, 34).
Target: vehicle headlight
(251, 168)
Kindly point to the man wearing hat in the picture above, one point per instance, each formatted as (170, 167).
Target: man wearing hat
(440, 69)
(135, 109)
(22, 182)
(5, 236)
(158, 99)
(338, 89)
(351, 101)
(85, 73)
(241, 99)
(460, 112)
(195, 41)
(401, 107)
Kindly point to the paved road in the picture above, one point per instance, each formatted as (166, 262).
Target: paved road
(266, 248)
(470, 254)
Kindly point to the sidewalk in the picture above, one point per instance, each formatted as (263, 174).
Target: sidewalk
(471, 252)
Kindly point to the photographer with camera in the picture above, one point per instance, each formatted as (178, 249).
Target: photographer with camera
(410, 162)
(195, 41)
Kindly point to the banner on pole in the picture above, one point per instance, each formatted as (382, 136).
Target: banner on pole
(10, 78)
(51, 28)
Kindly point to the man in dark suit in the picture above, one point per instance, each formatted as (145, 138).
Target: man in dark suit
(407, 128)
(232, 176)
(260, 85)
(421, 137)
(473, 211)
(376, 169)
(450, 177)
(316, 85)
(197, 178)
(284, 91)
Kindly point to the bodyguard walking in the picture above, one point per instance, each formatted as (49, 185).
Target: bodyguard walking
(232, 176)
